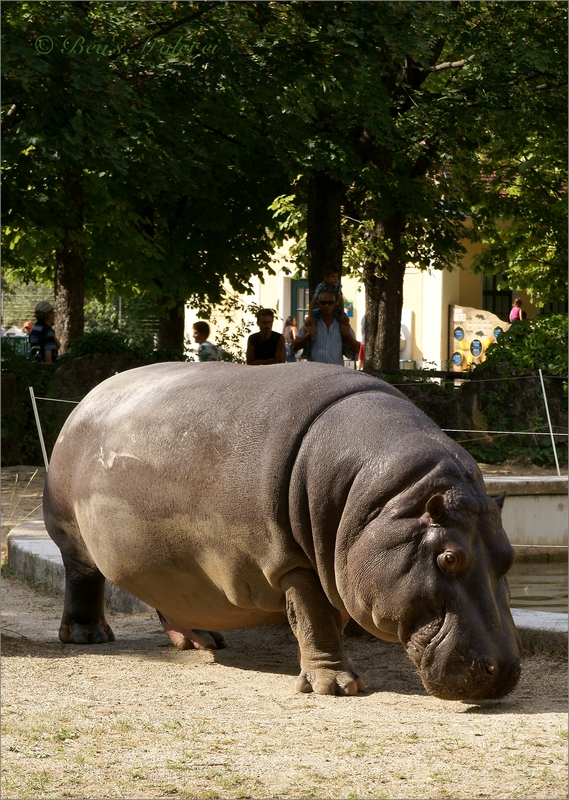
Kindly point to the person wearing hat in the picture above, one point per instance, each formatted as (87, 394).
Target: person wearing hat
(43, 343)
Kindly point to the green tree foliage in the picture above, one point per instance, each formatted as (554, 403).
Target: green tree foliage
(155, 168)
(129, 172)
(431, 115)
(516, 170)
(59, 140)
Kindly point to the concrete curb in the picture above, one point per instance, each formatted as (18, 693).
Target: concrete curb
(34, 557)
(37, 559)
(516, 485)
(541, 631)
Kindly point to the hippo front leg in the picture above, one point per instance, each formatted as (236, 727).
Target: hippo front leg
(318, 627)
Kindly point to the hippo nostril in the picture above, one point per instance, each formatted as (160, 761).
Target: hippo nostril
(486, 665)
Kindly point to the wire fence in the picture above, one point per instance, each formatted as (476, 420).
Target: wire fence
(550, 432)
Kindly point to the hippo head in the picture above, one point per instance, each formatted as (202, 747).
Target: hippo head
(433, 578)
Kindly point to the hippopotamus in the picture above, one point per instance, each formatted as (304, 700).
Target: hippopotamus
(229, 497)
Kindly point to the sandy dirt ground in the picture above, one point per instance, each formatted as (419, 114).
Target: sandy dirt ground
(138, 719)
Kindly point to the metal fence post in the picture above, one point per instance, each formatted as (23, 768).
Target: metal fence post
(549, 423)
(40, 434)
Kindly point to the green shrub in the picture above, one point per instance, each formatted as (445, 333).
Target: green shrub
(506, 391)
(540, 343)
(115, 343)
(20, 443)
(108, 343)
(510, 394)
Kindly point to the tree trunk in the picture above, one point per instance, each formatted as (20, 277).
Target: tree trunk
(324, 233)
(171, 325)
(69, 277)
(384, 300)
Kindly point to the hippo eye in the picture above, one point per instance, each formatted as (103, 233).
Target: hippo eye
(451, 561)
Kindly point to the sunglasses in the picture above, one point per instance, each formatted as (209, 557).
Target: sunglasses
(326, 302)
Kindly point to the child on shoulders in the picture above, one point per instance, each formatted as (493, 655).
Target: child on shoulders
(331, 283)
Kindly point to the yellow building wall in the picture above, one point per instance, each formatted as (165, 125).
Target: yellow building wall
(270, 291)
(413, 301)
(427, 295)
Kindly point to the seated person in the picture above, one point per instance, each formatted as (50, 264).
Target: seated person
(267, 346)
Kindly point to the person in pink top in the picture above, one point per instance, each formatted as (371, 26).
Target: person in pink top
(517, 313)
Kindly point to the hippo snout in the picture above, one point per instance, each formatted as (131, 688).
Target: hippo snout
(457, 664)
(485, 678)
(488, 666)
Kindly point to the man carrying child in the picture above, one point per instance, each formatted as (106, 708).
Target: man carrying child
(327, 335)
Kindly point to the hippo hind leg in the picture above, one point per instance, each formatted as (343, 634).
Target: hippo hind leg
(185, 639)
(83, 620)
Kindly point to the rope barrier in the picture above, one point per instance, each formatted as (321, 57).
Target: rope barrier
(55, 400)
(551, 433)
(514, 433)
(458, 376)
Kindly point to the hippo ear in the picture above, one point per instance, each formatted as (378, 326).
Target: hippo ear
(500, 500)
(436, 507)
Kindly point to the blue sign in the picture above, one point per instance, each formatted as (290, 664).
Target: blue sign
(476, 348)
(498, 332)
(458, 334)
(456, 359)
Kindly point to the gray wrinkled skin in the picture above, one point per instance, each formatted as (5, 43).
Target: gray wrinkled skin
(229, 497)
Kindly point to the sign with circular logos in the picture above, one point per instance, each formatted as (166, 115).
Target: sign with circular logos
(471, 331)
(476, 348)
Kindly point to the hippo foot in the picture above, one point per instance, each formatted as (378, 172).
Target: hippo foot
(329, 681)
(185, 639)
(90, 633)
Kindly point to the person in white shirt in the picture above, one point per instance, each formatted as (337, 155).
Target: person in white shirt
(326, 336)
(206, 350)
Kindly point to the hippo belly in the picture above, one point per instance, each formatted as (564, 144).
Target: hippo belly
(228, 497)
(200, 574)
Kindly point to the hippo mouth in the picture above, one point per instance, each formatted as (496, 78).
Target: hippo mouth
(423, 641)
(451, 671)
